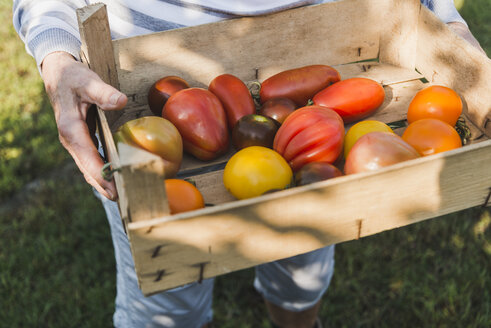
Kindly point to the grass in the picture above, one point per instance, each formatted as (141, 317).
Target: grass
(57, 263)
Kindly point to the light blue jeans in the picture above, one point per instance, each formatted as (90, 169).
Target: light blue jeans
(295, 284)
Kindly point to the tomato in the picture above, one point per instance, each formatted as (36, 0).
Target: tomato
(278, 108)
(310, 134)
(375, 150)
(183, 196)
(156, 135)
(161, 90)
(298, 84)
(254, 171)
(361, 128)
(353, 99)
(316, 171)
(200, 118)
(437, 102)
(234, 95)
(430, 136)
(254, 130)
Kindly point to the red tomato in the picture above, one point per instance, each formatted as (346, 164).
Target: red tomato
(437, 102)
(156, 135)
(310, 134)
(234, 95)
(299, 84)
(200, 118)
(375, 150)
(183, 196)
(278, 108)
(353, 99)
(431, 136)
(161, 90)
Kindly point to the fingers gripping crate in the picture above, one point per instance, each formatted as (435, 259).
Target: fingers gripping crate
(398, 43)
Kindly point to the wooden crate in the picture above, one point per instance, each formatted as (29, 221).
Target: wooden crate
(396, 42)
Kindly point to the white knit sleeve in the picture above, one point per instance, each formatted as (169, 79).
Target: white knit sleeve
(46, 26)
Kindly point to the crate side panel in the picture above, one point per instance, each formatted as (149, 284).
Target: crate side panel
(399, 36)
(251, 48)
(445, 58)
(242, 234)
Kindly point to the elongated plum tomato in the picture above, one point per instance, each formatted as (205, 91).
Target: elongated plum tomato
(234, 96)
(254, 130)
(360, 129)
(316, 171)
(353, 99)
(375, 150)
(298, 84)
(310, 134)
(183, 196)
(431, 136)
(254, 171)
(437, 102)
(162, 89)
(277, 109)
(156, 135)
(200, 118)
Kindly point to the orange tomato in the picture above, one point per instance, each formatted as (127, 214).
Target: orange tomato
(430, 136)
(183, 196)
(436, 102)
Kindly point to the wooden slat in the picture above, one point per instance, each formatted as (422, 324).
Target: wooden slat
(251, 46)
(143, 174)
(139, 182)
(399, 33)
(97, 49)
(97, 52)
(446, 59)
(169, 252)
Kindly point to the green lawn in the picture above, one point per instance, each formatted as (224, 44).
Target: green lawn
(57, 264)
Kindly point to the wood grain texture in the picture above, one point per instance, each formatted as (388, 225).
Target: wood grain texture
(251, 47)
(445, 58)
(170, 251)
(399, 33)
(245, 233)
(97, 52)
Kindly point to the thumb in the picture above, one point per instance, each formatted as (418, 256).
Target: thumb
(104, 95)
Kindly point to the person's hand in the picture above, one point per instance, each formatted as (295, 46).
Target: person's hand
(72, 88)
(463, 31)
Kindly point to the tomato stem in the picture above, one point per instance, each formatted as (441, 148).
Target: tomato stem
(397, 124)
(107, 172)
(254, 88)
(463, 130)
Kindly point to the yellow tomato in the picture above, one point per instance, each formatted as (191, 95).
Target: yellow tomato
(255, 170)
(360, 129)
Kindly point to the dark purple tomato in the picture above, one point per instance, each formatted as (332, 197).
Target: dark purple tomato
(316, 171)
(277, 108)
(254, 130)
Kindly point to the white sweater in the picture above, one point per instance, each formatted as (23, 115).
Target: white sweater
(46, 26)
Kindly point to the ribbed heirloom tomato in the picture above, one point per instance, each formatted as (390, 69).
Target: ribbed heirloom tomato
(255, 170)
(437, 102)
(431, 136)
(183, 196)
(310, 134)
